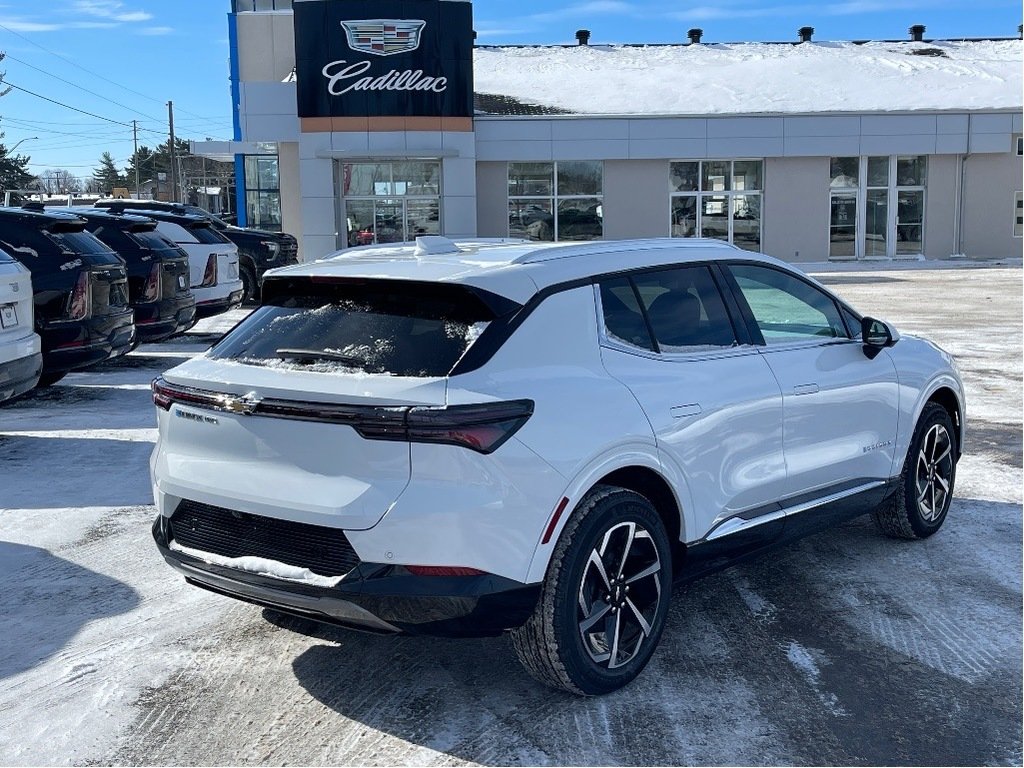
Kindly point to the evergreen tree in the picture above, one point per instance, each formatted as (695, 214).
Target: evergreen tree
(14, 170)
(107, 177)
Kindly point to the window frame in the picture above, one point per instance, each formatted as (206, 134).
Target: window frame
(1018, 226)
(730, 194)
(555, 197)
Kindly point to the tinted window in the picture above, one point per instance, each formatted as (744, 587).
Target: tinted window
(786, 308)
(77, 242)
(207, 235)
(153, 240)
(685, 309)
(382, 327)
(28, 244)
(114, 237)
(623, 318)
(5, 259)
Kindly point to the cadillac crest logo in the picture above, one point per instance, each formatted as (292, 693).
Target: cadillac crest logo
(384, 37)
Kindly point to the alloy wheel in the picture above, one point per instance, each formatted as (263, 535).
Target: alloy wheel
(619, 595)
(934, 473)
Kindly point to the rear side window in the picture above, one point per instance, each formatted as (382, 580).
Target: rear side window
(381, 327)
(682, 307)
(5, 259)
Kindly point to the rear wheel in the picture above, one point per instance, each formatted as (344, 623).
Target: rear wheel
(919, 507)
(604, 600)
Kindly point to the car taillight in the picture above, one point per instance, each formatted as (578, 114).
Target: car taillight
(480, 427)
(153, 287)
(80, 301)
(210, 276)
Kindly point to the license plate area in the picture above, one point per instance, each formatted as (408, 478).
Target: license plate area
(8, 315)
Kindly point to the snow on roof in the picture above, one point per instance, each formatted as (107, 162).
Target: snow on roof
(752, 78)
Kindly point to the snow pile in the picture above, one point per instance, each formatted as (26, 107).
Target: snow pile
(261, 567)
(752, 78)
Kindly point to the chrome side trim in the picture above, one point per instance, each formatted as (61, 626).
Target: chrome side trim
(736, 524)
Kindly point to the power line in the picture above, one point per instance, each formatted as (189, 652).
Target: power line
(79, 87)
(60, 103)
(89, 71)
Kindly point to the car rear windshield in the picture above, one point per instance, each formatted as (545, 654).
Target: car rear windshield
(370, 326)
(207, 235)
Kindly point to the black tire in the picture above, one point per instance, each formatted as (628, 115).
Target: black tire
(250, 285)
(49, 379)
(552, 644)
(920, 504)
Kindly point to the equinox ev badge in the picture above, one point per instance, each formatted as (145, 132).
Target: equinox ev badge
(384, 37)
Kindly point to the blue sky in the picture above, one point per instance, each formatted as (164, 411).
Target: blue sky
(122, 60)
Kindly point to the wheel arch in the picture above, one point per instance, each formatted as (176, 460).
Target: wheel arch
(945, 396)
(635, 470)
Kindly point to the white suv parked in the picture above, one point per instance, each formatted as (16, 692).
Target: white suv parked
(21, 358)
(466, 438)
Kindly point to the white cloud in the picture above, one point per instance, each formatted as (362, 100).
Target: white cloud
(21, 25)
(155, 31)
(593, 8)
(110, 9)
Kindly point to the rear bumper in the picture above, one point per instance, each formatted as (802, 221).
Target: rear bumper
(161, 320)
(19, 376)
(373, 597)
(211, 307)
(73, 345)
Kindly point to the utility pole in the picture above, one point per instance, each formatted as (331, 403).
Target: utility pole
(135, 157)
(174, 157)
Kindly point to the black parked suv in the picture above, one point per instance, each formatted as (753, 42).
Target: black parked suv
(258, 250)
(158, 272)
(80, 289)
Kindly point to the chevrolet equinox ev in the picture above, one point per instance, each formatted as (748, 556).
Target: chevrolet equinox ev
(466, 438)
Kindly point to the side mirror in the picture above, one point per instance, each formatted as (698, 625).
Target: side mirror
(877, 334)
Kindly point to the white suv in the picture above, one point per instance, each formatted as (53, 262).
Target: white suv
(466, 438)
(21, 358)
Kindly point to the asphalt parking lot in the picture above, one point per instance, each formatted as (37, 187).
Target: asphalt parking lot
(846, 648)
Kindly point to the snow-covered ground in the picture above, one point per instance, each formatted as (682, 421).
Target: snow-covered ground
(751, 78)
(847, 648)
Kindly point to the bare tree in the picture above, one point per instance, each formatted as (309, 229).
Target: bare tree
(59, 181)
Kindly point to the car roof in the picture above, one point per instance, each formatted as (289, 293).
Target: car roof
(114, 217)
(39, 218)
(516, 269)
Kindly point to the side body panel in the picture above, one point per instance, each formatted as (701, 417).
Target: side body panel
(841, 411)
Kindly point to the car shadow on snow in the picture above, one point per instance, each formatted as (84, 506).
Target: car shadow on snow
(47, 601)
(75, 472)
(727, 685)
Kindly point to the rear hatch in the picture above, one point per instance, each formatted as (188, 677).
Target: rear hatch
(107, 277)
(299, 413)
(216, 247)
(15, 300)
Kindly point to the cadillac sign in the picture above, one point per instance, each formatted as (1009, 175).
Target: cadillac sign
(384, 58)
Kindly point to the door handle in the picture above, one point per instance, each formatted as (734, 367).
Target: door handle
(805, 389)
(682, 411)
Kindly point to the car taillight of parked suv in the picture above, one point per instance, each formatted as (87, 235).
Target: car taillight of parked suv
(258, 249)
(212, 259)
(159, 282)
(21, 358)
(80, 289)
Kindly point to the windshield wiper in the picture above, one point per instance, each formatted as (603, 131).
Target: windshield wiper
(313, 355)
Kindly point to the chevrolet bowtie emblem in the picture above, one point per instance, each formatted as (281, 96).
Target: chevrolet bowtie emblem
(243, 406)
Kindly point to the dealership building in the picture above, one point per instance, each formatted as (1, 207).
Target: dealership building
(362, 121)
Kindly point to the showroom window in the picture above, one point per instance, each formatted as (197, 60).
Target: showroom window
(263, 192)
(877, 206)
(556, 201)
(720, 199)
(391, 202)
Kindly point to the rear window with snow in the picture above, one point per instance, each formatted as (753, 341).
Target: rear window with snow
(362, 326)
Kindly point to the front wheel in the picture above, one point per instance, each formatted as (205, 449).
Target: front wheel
(919, 507)
(250, 285)
(604, 599)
